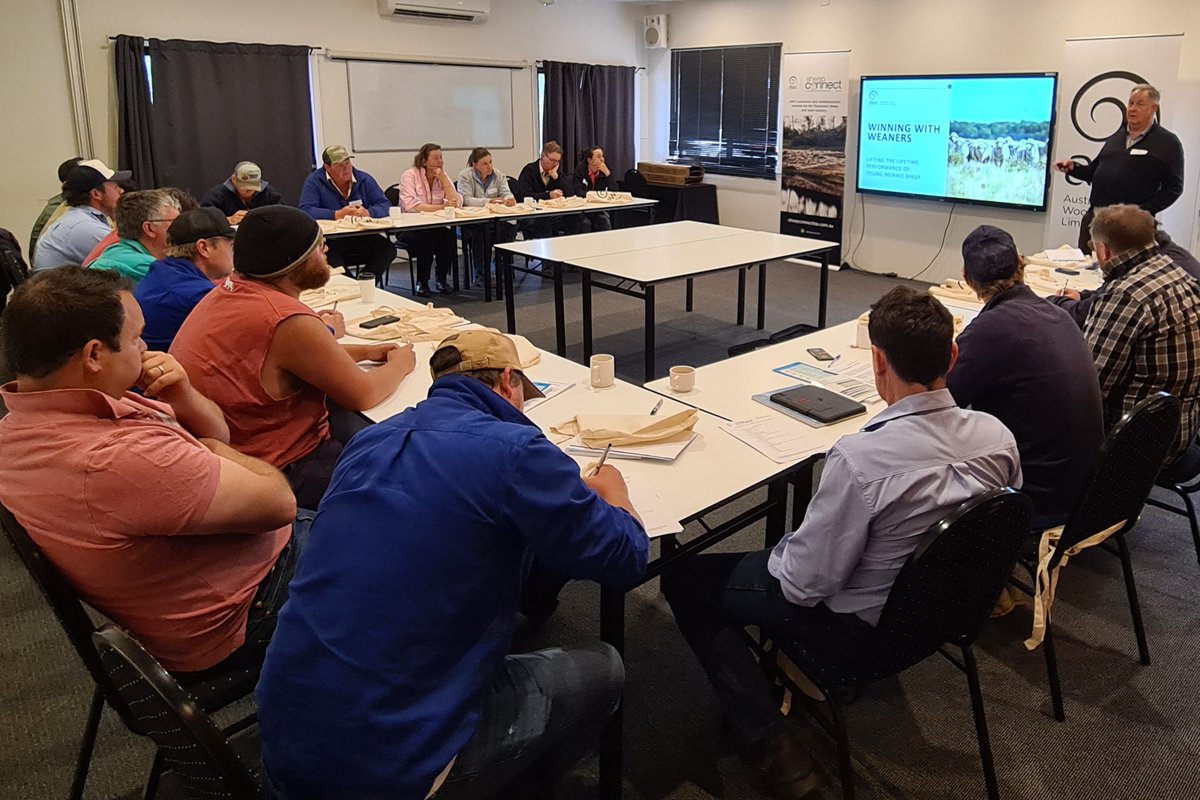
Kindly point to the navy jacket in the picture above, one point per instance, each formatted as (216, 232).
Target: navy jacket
(319, 198)
(1148, 174)
(529, 183)
(404, 600)
(226, 198)
(1025, 362)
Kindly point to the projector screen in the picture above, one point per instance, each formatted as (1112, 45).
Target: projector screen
(983, 139)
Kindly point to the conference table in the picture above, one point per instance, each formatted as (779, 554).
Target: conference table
(634, 261)
(713, 471)
(399, 223)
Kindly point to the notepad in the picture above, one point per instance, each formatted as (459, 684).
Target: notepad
(658, 451)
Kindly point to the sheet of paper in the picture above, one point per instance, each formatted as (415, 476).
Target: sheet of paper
(655, 451)
(550, 389)
(1065, 255)
(774, 437)
(860, 371)
(657, 519)
(843, 384)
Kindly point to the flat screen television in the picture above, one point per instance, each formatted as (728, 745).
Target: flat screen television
(981, 139)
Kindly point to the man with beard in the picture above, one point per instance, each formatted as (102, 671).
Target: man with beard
(268, 361)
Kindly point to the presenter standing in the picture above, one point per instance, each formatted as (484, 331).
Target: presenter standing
(1141, 164)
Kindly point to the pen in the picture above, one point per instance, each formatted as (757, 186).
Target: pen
(657, 406)
(600, 463)
(335, 302)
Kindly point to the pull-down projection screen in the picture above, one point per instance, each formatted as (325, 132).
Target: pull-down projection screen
(401, 106)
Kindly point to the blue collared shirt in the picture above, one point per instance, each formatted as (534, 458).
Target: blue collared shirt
(68, 241)
(404, 600)
(167, 294)
(881, 490)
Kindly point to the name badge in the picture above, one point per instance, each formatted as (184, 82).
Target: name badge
(1137, 151)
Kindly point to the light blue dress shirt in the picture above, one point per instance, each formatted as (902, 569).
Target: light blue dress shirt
(881, 490)
(69, 240)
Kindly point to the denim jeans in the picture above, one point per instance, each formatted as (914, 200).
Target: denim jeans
(713, 597)
(541, 714)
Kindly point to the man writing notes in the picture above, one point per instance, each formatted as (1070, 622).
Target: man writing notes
(244, 190)
(1024, 361)
(137, 499)
(880, 491)
(1142, 163)
(339, 190)
(268, 360)
(391, 674)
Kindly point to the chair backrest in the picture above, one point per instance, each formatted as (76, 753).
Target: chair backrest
(635, 183)
(189, 742)
(66, 606)
(1125, 470)
(392, 193)
(514, 186)
(947, 588)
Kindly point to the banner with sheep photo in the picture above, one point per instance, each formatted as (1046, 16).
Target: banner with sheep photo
(815, 100)
(1093, 89)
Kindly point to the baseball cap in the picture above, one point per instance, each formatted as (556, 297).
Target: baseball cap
(199, 223)
(484, 348)
(92, 174)
(989, 255)
(335, 154)
(247, 175)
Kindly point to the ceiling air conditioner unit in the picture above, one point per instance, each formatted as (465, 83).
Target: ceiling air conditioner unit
(453, 10)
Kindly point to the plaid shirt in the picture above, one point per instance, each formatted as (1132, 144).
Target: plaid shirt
(1144, 333)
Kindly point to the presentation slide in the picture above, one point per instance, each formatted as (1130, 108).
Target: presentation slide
(971, 138)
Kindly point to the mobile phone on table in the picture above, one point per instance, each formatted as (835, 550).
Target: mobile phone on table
(1066, 271)
(820, 354)
(375, 323)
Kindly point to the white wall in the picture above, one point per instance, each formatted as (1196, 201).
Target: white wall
(920, 36)
(39, 123)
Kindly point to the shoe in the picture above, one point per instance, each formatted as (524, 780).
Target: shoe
(780, 768)
(444, 288)
(421, 290)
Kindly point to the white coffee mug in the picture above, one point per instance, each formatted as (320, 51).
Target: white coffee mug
(366, 287)
(683, 379)
(862, 338)
(530, 202)
(395, 212)
(604, 371)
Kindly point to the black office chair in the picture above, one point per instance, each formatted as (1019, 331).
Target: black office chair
(1183, 479)
(190, 745)
(514, 186)
(392, 193)
(213, 692)
(635, 183)
(943, 595)
(1115, 491)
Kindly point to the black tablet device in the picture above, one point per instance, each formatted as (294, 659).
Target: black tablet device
(821, 404)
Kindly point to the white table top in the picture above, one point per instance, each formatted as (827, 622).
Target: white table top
(671, 262)
(690, 486)
(622, 240)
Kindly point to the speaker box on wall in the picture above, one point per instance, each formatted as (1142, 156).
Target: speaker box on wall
(654, 34)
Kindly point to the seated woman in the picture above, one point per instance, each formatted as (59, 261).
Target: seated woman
(592, 175)
(425, 186)
(481, 184)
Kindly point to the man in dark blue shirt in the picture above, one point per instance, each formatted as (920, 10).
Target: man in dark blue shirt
(339, 190)
(1025, 362)
(199, 253)
(389, 675)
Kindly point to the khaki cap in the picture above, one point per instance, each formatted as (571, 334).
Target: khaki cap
(484, 348)
(248, 175)
(335, 154)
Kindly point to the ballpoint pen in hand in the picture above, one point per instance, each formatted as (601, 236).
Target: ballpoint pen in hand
(657, 406)
(600, 463)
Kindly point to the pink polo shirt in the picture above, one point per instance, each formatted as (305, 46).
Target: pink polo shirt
(415, 190)
(110, 490)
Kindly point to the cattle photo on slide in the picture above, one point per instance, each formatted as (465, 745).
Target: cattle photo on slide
(1001, 161)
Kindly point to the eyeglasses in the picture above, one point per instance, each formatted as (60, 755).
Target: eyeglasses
(172, 219)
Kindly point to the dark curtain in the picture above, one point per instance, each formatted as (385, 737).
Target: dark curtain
(590, 104)
(133, 111)
(217, 104)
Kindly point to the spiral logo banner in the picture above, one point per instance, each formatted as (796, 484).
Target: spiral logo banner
(1093, 90)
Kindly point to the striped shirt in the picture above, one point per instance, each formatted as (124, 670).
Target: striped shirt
(1144, 335)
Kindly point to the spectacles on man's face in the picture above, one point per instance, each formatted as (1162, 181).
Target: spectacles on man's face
(172, 219)
(553, 159)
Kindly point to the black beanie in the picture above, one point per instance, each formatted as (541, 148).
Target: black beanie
(273, 239)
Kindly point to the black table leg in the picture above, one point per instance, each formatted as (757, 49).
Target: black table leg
(776, 522)
(688, 302)
(560, 312)
(762, 295)
(587, 314)
(612, 756)
(510, 307)
(741, 311)
(487, 275)
(802, 490)
(824, 289)
(648, 291)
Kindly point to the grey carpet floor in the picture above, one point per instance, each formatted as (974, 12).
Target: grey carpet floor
(1131, 731)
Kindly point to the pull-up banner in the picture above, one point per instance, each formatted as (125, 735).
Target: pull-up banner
(816, 91)
(1092, 92)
